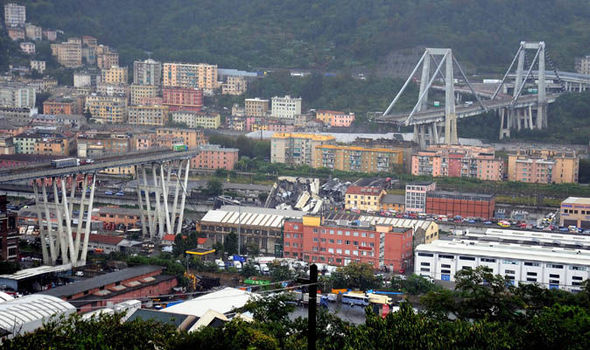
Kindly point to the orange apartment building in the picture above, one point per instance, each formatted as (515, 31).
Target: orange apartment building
(215, 157)
(192, 138)
(63, 105)
(458, 161)
(543, 166)
(55, 146)
(337, 119)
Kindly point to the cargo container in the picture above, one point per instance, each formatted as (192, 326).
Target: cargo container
(179, 148)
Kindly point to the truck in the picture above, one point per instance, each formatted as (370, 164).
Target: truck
(179, 148)
(65, 162)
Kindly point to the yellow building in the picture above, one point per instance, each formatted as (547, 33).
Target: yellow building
(197, 119)
(234, 86)
(141, 92)
(543, 166)
(114, 75)
(148, 115)
(55, 146)
(296, 148)
(575, 211)
(364, 198)
(357, 158)
(68, 54)
(256, 107)
(122, 170)
(107, 109)
(192, 138)
(190, 75)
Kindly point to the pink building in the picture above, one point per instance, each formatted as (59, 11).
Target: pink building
(215, 157)
(187, 99)
(458, 161)
(335, 118)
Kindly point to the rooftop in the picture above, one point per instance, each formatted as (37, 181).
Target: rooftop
(509, 251)
(100, 281)
(222, 301)
(460, 195)
(252, 216)
(364, 190)
(315, 137)
(576, 200)
(104, 239)
(360, 148)
(393, 199)
(36, 271)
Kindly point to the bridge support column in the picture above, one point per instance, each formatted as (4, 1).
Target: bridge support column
(505, 123)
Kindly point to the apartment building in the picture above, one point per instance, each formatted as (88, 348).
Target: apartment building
(63, 105)
(336, 119)
(458, 161)
(297, 148)
(176, 98)
(554, 268)
(364, 198)
(27, 47)
(86, 79)
(234, 86)
(49, 34)
(148, 115)
(16, 33)
(206, 120)
(286, 107)
(106, 57)
(575, 211)
(95, 144)
(107, 109)
(358, 158)
(139, 93)
(583, 65)
(190, 75)
(543, 166)
(118, 89)
(148, 72)
(15, 15)
(17, 95)
(55, 146)
(215, 157)
(191, 138)
(317, 240)
(38, 65)
(256, 107)
(69, 54)
(416, 196)
(114, 75)
(33, 32)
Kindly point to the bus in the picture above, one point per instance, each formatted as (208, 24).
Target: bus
(353, 299)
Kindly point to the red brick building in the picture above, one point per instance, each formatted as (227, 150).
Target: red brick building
(339, 243)
(188, 99)
(467, 205)
(131, 283)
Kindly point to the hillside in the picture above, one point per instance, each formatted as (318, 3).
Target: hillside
(327, 35)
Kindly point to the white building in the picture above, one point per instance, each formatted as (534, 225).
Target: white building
(16, 95)
(38, 65)
(286, 107)
(15, 15)
(415, 200)
(553, 267)
(28, 47)
(148, 72)
(197, 119)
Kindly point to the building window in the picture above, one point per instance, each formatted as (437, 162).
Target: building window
(426, 254)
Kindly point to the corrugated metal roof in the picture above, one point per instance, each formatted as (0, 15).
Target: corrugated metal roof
(250, 216)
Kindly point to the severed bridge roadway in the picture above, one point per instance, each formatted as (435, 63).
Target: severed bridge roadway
(45, 170)
(438, 115)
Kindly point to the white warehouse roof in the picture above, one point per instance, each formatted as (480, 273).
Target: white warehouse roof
(532, 237)
(28, 313)
(250, 216)
(222, 301)
(397, 222)
(508, 251)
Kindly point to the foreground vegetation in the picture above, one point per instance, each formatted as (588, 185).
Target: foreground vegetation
(483, 312)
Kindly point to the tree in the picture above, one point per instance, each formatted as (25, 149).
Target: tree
(414, 285)
(230, 244)
(355, 276)
(248, 270)
(214, 187)
(279, 272)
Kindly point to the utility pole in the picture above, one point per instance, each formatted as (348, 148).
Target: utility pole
(313, 306)
(239, 227)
